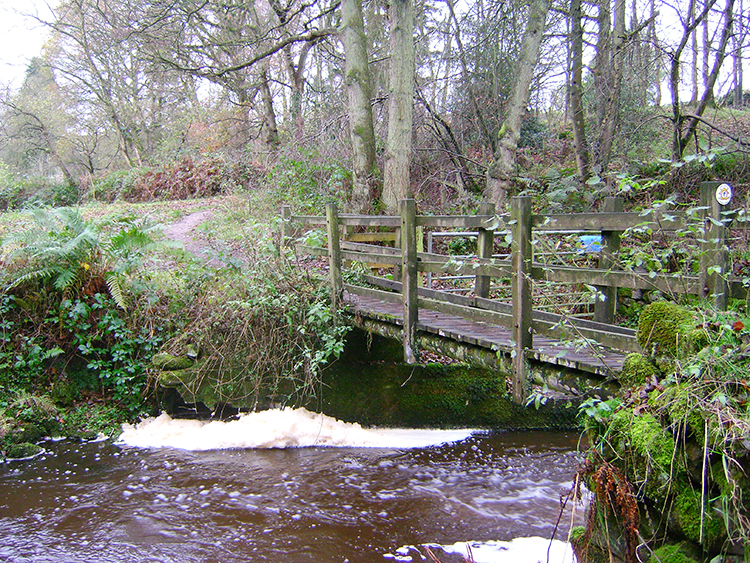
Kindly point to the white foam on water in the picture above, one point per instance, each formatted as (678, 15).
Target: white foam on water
(276, 428)
(519, 550)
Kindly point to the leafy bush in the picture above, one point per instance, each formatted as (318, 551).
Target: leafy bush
(64, 316)
(308, 183)
(263, 333)
(113, 185)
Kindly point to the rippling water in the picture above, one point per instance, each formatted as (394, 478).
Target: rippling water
(103, 502)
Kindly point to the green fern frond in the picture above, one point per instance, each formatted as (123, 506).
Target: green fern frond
(66, 279)
(38, 275)
(115, 290)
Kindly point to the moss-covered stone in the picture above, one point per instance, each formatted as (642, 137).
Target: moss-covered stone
(649, 452)
(636, 370)
(23, 450)
(686, 520)
(26, 432)
(664, 328)
(170, 362)
(367, 386)
(671, 554)
(680, 406)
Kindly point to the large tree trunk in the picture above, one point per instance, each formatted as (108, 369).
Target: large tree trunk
(503, 169)
(400, 104)
(359, 91)
(583, 160)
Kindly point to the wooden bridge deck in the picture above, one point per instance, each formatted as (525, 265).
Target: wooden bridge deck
(585, 356)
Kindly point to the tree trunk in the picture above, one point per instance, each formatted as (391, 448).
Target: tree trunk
(359, 91)
(688, 28)
(611, 98)
(502, 171)
(400, 104)
(739, 36)
(583, 160)
(269, 130)
(657, 54)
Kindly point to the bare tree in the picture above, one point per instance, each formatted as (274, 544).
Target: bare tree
(684, 126)
(503, 169)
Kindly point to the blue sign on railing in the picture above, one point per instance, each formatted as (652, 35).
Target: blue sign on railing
(589, 243)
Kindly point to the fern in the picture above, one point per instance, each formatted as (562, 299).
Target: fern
(61, 248)
(115, 290)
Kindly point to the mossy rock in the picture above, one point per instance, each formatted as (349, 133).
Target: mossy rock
(636, 370)
(23, 450)
(27, 432)
(671, 554)
(170, 362)
(664, 329)
(686, 520)
(681, 406)
(648, 451)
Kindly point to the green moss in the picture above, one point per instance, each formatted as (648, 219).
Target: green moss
(636, 370)
(646, 437)
(687, 520)
(681, 407)
(671, 554)
(648, 452)
(23, 450)
(368, 386)
(169, 362)
(663, 328)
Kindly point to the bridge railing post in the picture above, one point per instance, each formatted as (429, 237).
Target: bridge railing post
(485, 244)
(606, 302)
(409, 273)
(334, 255)
(286, 225)
(521, 258)
(714, 261)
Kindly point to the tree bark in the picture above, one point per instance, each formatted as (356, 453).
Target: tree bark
(400, 104)
(583, 160)
(610, 101)
(359, 91)
(269, 129)
(502, 171)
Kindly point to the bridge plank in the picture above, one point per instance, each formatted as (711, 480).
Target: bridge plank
(589, 358)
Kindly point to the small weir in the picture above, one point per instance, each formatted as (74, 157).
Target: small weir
(163, 493)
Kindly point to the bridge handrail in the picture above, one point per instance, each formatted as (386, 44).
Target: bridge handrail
(520, 317)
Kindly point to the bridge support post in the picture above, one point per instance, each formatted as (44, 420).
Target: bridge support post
(286, 225)
(334, 256)
(408, 212)
(485, 244)
(714, 262)
(521, 258)
(604, 311)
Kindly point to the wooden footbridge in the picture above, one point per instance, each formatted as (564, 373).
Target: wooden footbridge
(500, 324)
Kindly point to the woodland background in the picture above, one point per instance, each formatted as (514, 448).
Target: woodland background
(368, 102)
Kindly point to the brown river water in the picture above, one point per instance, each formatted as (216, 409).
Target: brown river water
(99, 501)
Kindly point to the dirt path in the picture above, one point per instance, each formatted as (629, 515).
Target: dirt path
(184, 232)
(216, 252)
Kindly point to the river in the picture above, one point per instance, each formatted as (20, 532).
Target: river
(103, 501)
